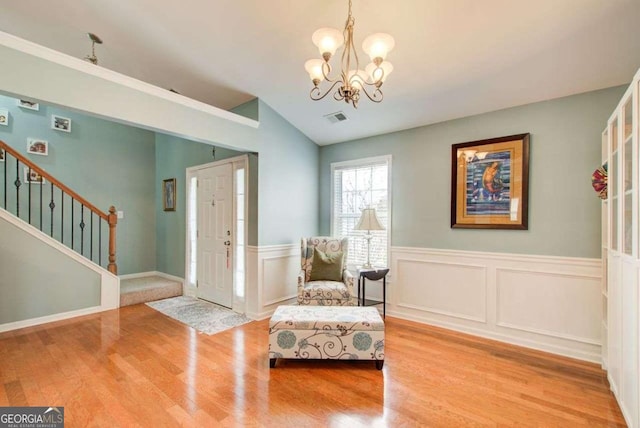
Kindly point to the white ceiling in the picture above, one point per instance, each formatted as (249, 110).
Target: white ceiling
(453, 58)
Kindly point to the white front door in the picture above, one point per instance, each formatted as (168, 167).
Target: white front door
(215, 210)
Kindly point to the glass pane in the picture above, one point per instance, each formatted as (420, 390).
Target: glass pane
(193, 229)
(356, 188)
(380, 181)
(240, 181)
(240, 233)
(614, 224)
(628, 162)
(628, 226)
(628, 118)
(614, 135)
(605, 224)
(363, 179)
(349, 203)
(240, 206)
(613, 177)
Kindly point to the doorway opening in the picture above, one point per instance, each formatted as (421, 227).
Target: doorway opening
(216, 235)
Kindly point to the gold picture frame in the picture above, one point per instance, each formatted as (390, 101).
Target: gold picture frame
(169, 194)
(490, 183)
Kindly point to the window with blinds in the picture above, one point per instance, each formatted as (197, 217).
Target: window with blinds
(358, 185)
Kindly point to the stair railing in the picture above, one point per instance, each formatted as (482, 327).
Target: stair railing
(41, 212)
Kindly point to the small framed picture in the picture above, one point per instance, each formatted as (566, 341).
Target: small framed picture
(32, 177)
(60, 123)
(26, 104)
(4, 117)
(2, 155)
(37, 147)
(169, 194)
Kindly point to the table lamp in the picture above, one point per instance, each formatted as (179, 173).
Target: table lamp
(368, 221)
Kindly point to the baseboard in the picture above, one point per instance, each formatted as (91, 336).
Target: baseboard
(152, 273)
(50, 318)
(592, 357)
(137, 275)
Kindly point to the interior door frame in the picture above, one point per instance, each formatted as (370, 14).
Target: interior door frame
(242, 161)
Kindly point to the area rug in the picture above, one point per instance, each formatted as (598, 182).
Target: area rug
(203, 316)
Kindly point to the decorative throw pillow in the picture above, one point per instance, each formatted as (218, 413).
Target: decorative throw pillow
(326, 267)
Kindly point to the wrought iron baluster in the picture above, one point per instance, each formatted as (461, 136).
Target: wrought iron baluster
(29, 184)
(52, 205)
(72, 223)
(41, 206)
(62, 216)
(91, 239)
(6, 161)
(17, 183)
(100, 241)
(82, 229)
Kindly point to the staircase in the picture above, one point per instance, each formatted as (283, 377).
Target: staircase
(34, 196)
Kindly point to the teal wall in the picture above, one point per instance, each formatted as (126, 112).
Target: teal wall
(105, 162)
(250, 109)
(564, 212)
(38, 280)
(288, 180)
(173, 156)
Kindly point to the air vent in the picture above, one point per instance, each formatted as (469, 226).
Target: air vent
(336, 117)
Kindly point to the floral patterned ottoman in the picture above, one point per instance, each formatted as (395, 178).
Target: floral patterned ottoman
(326, 332)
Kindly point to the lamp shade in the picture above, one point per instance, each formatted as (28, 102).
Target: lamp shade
(314, 68)
(378, 45)
(328, 40)
(369, 220)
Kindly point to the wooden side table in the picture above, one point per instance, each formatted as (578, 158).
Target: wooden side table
(373, 274)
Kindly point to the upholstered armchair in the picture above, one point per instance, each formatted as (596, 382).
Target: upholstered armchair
(324, 278)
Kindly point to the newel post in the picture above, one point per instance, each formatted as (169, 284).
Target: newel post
(113, 220)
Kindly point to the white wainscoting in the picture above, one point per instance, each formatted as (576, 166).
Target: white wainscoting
(272, 273)
(543, 302)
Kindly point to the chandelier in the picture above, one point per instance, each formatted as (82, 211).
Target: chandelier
(351, 80)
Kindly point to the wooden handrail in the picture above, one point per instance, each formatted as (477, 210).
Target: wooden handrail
(4, 146)
(111, 218)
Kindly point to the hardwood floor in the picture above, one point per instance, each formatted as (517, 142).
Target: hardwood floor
(136, 367)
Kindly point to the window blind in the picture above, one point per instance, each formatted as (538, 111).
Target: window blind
(355, 187)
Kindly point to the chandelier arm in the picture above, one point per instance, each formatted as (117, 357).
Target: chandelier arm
(326, 69)
(377, 93)
(316, 94)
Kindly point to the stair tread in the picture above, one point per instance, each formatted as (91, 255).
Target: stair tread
(145, 283)
(147, 289)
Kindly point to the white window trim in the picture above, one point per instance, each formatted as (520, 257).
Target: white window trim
(362, 162)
